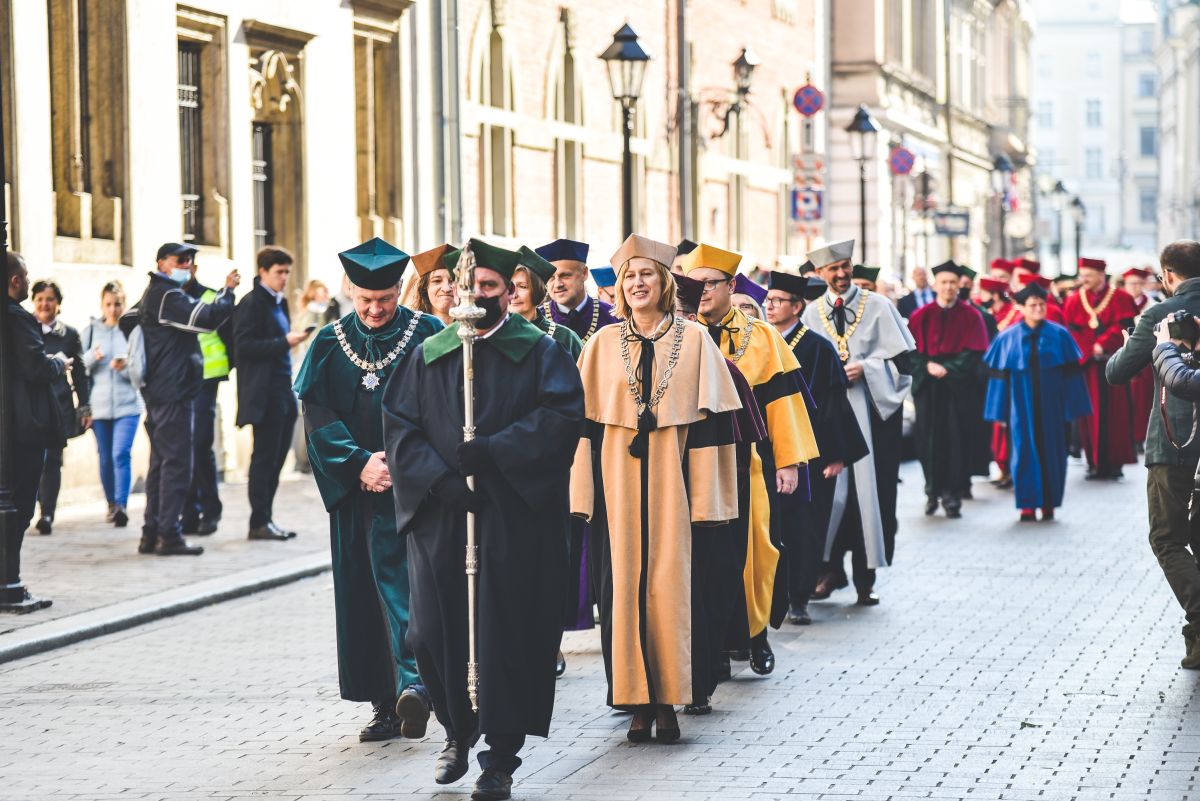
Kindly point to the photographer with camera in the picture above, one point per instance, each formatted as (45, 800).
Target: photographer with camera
(1170, 466)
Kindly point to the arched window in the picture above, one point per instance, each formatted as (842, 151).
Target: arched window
(568, 149)
(496, 140)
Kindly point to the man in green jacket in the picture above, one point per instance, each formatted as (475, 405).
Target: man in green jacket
(1170, 469)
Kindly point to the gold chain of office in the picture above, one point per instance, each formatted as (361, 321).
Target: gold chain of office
(1095, 313)
(591, 328)
(843, 340)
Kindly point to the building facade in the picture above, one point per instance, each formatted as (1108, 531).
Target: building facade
(949, 83)
(315, 124)
(1178, 66)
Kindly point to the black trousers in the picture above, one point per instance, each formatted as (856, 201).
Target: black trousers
(501, 753)
(1174, 539)
(272, 440)
(204, 500)
(169, 426)
(806, 525)
(51, 482)
(25, 492)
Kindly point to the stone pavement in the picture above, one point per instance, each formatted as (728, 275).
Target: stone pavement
(87, 567)
(1007, 661)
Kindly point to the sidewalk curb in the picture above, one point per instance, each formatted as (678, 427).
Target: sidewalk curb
(39, 638)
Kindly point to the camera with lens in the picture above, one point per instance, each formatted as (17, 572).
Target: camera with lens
(1182, 325)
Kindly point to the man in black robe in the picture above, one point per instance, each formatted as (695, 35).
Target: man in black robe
(838, 437)
(528, 415)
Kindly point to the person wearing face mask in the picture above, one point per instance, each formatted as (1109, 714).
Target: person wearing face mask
(202, 511)
(341, 386)
(528, 414)
(170, 320)
(60, 338)
(30, 392)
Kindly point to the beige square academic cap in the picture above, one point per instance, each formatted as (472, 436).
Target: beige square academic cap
(646, 248)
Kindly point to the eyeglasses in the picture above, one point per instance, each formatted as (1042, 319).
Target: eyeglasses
(778, 301)
(713, 283)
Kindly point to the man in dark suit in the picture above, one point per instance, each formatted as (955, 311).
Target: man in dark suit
(264, 340)
(922, 294)
(1170, 469)
(34, 425)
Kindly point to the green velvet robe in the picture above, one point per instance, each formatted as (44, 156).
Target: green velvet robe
(344, 423)
(562, 335)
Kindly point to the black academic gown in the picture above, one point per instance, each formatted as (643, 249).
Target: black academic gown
(529, 403)
(839, 440)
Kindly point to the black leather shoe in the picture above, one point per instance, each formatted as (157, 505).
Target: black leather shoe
(44, 525)
(384, 726)
(120, 517)
(666, 725)
(147, 544)
(412, 708)
(492, 785)
(204, 528)
(762, 658)
(798, 616)
(698, 709)
(451, 763)
(954, 514)
(641, 725)
(828, 584)
(179, 547)
(560, 665)
(270, 532)
(867, 598)
(931, 505)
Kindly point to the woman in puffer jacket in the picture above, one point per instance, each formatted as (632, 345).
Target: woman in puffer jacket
(116, 407)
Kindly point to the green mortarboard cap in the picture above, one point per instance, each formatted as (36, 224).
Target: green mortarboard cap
(493, 258)
(865, 273)
(531, 260)
(374, 264)
(450, 259)
(968, 272)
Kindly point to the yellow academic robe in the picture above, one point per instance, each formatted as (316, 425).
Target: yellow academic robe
(770, 367)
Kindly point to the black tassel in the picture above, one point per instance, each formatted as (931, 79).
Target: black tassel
(639, 447)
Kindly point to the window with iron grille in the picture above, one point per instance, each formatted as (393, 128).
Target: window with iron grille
(190, 143)
(260, 174)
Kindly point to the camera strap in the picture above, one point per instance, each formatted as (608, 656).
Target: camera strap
(1162, 410)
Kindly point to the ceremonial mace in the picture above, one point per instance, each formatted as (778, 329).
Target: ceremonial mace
(465, 314)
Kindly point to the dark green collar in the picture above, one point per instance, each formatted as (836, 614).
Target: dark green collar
(515, 339)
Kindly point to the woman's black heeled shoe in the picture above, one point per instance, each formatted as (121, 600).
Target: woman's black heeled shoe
(667, 725)
(639, 727)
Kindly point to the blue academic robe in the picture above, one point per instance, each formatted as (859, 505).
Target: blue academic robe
(1036, 389)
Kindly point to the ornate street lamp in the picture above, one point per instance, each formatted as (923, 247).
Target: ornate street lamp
(626, 62)
(863, 129)
(743, 74)
(1002, 169)
(1079, 213)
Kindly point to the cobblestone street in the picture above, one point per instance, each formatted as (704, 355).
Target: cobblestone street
(1007, 661)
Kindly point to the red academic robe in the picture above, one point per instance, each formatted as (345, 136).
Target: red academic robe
(1007, 315)
(1107, 436)
(1142, 387)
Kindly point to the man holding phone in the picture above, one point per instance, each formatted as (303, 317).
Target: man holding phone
(265, 399)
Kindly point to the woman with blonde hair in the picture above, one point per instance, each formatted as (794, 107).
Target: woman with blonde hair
(315, 309)
(657, 458)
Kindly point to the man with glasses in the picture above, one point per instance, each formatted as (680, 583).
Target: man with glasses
(873, 344)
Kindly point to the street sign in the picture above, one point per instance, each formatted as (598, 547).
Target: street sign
(901, 161)
(952, 222)
(808, 162)
(807, 204)
(808, 100)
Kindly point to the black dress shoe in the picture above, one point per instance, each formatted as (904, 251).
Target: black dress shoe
(203, 528)
(698, 709)
(179, 547)
(867, 598)
(762, 658)
(269, 532)
(120, 518)
(931, 505)
(560, 665)
(828, 584)
(384, 726)
(953, 514)
(799, 616)
(44, 525)
(492, 785)
(412, 708)
(451, 763)
(640, 726)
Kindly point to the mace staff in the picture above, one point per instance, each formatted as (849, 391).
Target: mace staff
(465, 313)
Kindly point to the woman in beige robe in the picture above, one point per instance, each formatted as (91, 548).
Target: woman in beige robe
(657, 457)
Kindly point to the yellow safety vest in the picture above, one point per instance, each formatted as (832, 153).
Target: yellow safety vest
(216, 360)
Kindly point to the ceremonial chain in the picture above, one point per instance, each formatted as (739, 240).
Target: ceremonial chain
(553, 327)
(591, 328)
(843, 341)
(1095, 313)
(676, 344)
(741, 351)
(371, 381)
(800, 332)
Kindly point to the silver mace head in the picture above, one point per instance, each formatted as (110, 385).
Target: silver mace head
(465, 312)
